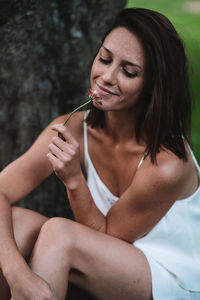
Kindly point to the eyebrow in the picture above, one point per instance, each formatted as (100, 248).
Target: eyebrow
(126, 62)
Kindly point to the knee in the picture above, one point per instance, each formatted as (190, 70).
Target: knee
(58, 233)
(26, 226)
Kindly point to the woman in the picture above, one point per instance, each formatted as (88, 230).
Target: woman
(137, 214)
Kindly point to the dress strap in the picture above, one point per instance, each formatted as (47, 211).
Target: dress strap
(142, 159)
(194, 158)
(85, 138)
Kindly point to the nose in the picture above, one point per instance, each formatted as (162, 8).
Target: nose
(110, 75)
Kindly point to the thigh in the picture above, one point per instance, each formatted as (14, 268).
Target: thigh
(107, 267)
(26, 226)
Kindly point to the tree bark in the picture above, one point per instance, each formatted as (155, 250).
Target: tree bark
(46, 50)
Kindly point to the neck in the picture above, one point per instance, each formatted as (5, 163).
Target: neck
(120, 125)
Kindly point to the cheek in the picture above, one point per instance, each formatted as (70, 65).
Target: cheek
(132, 89)
(135, 87)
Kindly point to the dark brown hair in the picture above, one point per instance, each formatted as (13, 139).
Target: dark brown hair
(165, 116)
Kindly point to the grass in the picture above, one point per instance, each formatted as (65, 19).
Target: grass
(187, 24)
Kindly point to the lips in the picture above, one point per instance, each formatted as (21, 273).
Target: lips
(103, 91)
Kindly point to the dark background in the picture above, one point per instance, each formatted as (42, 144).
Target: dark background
(46, 50)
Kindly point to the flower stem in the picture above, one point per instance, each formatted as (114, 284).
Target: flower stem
(79, 107)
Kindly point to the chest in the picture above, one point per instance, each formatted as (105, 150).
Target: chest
(115, 165)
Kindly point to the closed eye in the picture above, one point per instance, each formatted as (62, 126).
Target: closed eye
(125, 72)
(104, 61)
(128, 74)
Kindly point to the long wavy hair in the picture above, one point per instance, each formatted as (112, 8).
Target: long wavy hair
(166, 111)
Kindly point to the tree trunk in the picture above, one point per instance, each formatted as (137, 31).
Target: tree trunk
(46, 50)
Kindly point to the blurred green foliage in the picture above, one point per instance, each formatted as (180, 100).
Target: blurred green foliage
(187, 23)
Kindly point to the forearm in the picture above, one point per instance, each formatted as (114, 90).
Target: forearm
(64, 156)
(10, 256)
(83, 206)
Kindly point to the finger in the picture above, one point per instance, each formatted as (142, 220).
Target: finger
(63, 153)
(57, 152)
(53, 160)
(65, 132)
(63, 145)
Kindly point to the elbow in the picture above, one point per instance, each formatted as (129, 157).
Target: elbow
(3, 197)
(118, 234)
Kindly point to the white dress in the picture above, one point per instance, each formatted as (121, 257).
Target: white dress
(172, 247)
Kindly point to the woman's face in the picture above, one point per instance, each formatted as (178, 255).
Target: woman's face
(117, 72)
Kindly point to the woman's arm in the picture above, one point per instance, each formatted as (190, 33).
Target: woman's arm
(152, 192)
(17, 180)
(21, 176)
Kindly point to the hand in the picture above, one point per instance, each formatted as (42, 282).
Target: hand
(30, 286)
(64, 156)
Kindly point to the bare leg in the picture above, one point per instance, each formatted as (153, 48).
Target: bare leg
(105, 266)
(27, 225)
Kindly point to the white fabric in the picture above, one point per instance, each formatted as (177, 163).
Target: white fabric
(165, 286)
(174, 243)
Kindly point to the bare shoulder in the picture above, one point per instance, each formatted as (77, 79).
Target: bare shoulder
(168, 167)
(75, 119)
(75, 123)
(170, 174)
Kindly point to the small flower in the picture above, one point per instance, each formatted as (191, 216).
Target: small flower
(92, 96)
